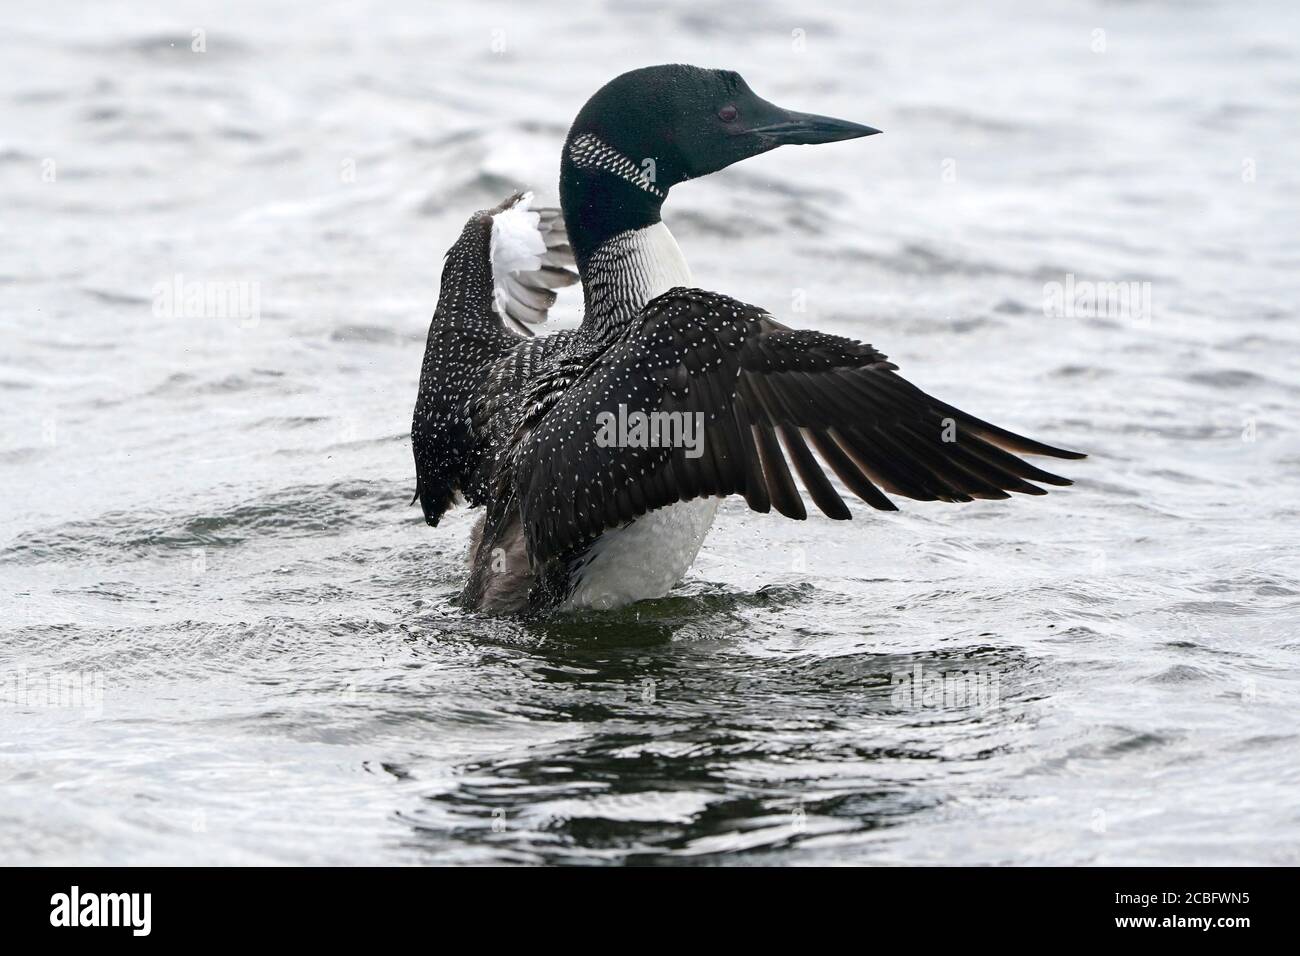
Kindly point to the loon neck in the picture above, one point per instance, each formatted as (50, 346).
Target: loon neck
(624, 273)
(603, 194)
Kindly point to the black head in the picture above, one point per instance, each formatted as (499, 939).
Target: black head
(649, 129)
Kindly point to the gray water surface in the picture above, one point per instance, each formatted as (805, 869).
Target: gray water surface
(227, 637)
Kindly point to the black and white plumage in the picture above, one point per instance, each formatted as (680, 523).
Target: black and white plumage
(497, 280)
(513, 422)
(769, 396)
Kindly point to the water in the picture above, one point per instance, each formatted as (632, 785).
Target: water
(206, 537)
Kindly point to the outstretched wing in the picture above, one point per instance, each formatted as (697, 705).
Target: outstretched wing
(499, 277)
(733, 399)
(529, 251)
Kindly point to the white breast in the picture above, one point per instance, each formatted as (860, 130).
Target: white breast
(646, 558)
(670, 268)
(649, 556)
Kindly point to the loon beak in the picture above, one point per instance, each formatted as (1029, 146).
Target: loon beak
(808, 128)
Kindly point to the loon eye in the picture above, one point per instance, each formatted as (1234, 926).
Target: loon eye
(728, 113)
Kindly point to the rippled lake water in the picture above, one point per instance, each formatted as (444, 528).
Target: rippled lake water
(228, 638)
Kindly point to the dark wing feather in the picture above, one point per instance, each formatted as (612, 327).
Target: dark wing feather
(475, 335)
(772, 399)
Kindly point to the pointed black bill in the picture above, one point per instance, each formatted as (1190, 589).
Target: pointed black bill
(808, 128)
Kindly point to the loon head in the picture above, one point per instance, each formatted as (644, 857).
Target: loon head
(649, 129)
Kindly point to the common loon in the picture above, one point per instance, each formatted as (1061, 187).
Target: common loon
(549, 434)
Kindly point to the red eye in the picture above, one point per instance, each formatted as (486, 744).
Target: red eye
(728, 113)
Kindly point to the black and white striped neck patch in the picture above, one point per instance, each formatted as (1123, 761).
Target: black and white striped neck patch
(589, 152)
